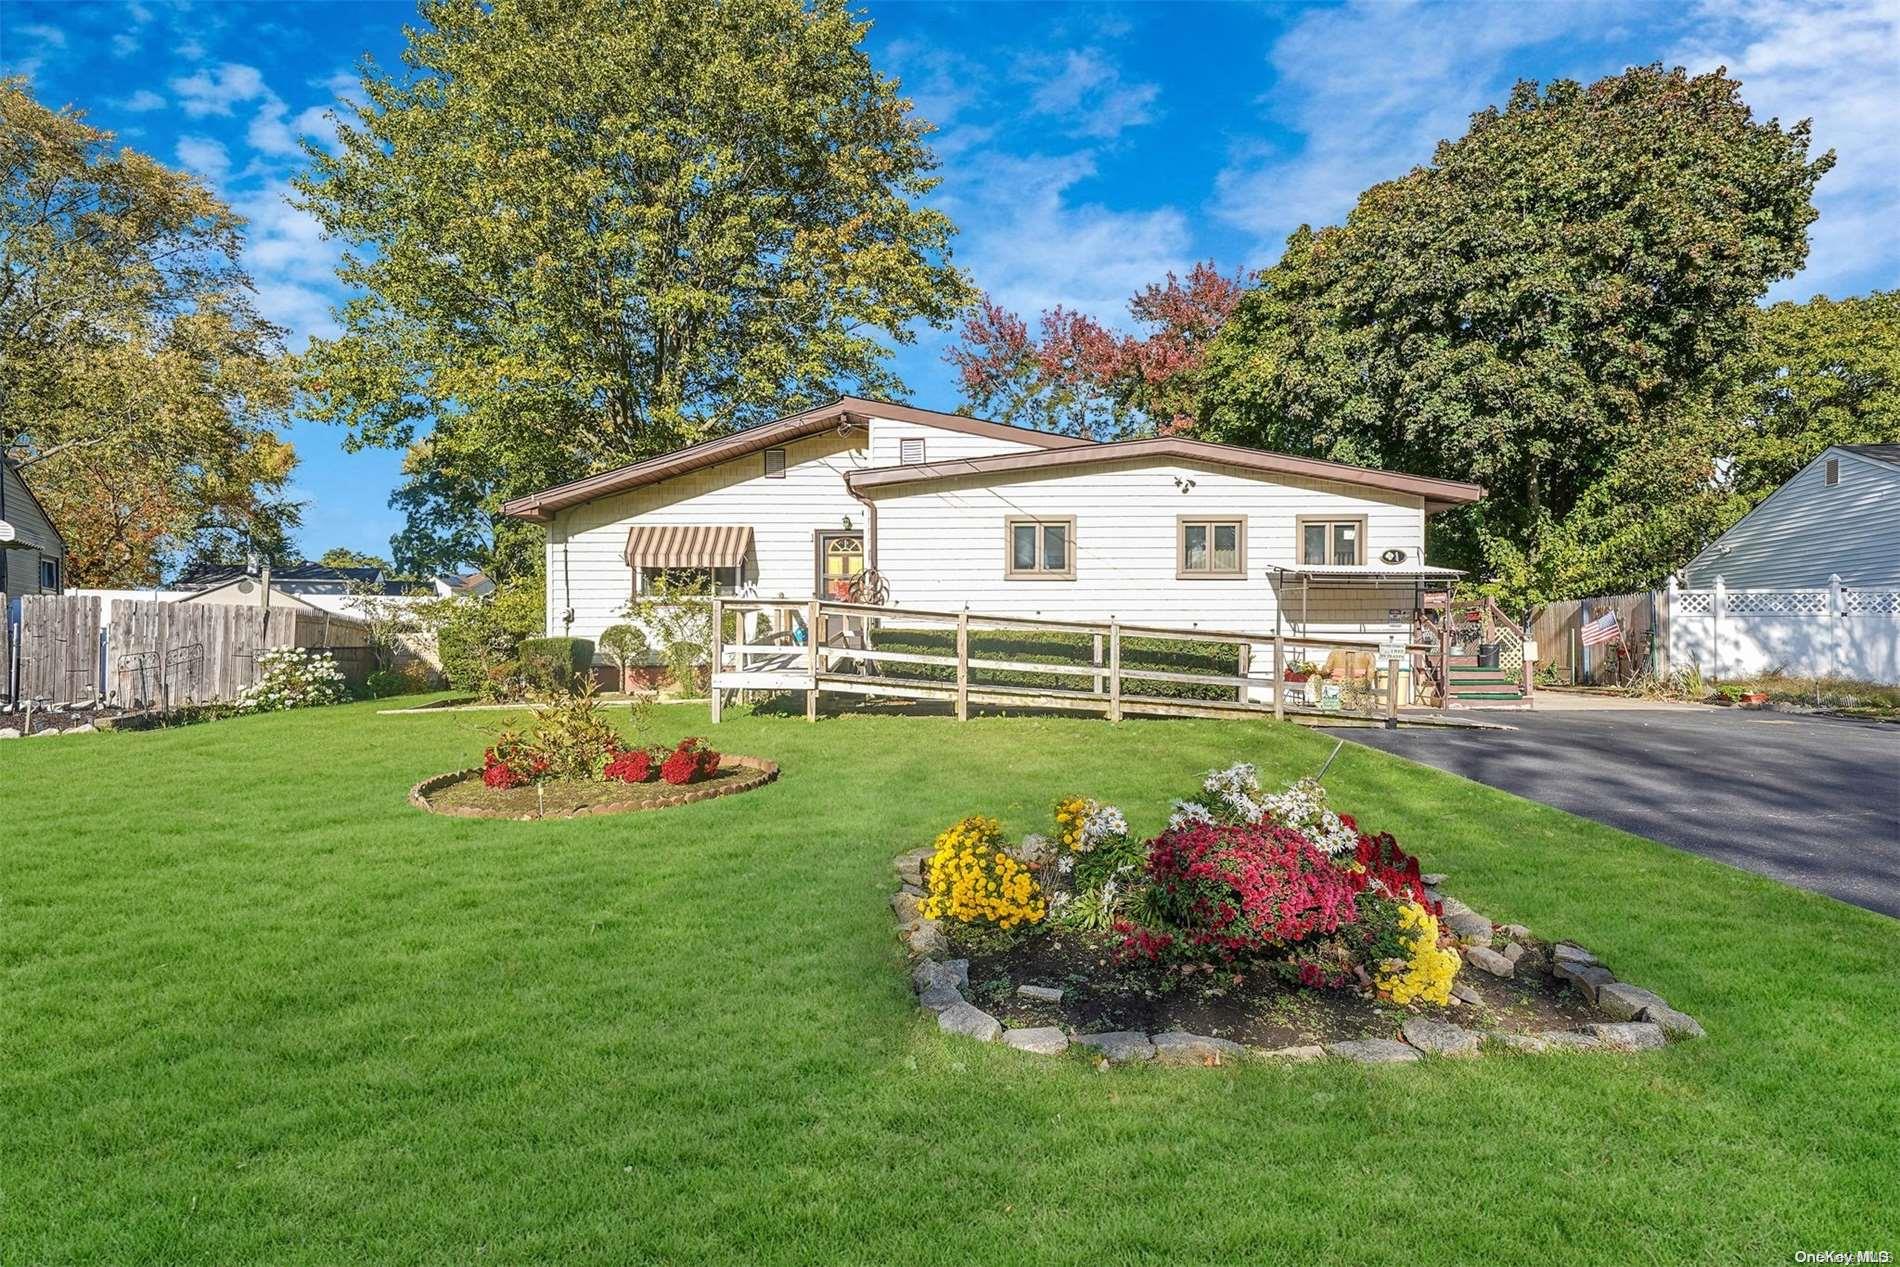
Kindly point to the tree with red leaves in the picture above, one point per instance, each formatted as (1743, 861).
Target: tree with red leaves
(1081, 378)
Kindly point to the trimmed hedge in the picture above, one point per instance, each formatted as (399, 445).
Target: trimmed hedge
(556, 664)
(1050, 647)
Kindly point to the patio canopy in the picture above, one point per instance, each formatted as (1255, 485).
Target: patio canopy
(1364, 573)
(688, 545)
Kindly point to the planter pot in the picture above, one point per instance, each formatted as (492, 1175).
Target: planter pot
(1487, 655)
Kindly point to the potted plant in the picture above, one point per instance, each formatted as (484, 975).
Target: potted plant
(1300, 670)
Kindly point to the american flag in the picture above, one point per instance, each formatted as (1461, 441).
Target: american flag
(1601, 630)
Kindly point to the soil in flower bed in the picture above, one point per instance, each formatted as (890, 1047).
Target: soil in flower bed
(1260, 1009)
(559, 797)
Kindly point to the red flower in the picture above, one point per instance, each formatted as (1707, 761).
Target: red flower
(1243, 889)
(633, 766)
(689, 762)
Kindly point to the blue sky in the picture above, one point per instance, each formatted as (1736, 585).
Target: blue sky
(1086, 149)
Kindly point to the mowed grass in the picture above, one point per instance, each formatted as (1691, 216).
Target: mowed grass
(255, 1008)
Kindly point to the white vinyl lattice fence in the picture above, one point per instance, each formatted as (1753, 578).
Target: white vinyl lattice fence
(1832, 632)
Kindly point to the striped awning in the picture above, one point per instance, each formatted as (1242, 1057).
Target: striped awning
(688, 545)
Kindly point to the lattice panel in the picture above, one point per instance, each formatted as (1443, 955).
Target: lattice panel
(1778, 603)
(1695, 603)
(1871, 602)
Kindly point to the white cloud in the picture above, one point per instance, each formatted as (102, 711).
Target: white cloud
(191, 50)
(1032, 247)
(1834, 63)
(204, 156)
(216, 90)
(42, 33)
(1371, 87)
(292, 264)
(1085, 87)
(124, 44)
(142, 100)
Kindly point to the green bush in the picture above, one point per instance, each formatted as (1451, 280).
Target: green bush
(479, 639)
(555, 664)
(626, 646)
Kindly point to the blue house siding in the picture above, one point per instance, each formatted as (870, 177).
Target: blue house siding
(1807, 531)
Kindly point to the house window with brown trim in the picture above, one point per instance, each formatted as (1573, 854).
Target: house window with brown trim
(1039, 549)
(1332, 542)
(1210, 549)
(775, 464)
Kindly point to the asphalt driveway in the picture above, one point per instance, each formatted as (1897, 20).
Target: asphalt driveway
(1813, 801)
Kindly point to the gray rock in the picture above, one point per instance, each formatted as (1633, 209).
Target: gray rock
(1488, 960)
(45, 734)
(1469, 927)
(1569, 1040)
(86, 729)
(1571, 951)
(911, 889)
(1036, 850)
(1519, 1042)
(1439, 1038)
(1515, 931)
(8, 732)
(937, 996)
(1465, 994)
(1621, 1001)
(1178, 1047)
(954, 973)
(1454, 907)
(1629, 1035)
(927, 939)
(1373, 1051)
(1675, 1024)
(1432, 879)
(1292, 1053)
(904, 906)
(971, 1022)
(1120, 1045)
(1040, 993)
(1514, 952)
(1045, 1041)
(1587, 977)
(910, 866)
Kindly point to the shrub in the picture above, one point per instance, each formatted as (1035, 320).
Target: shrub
(973, 880)
(1240, 889)
(626, 646)
(678, 616)
(689, 762)
(512, 762)
(636, 765)
(292, 677)
(555, 664)
(478, 639)
(573, 736)
(409, 679)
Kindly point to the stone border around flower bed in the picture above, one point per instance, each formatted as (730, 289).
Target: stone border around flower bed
(1638, 1019)
(763, 772)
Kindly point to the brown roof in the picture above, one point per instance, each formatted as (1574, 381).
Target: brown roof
(1438, 494)
(846, 409)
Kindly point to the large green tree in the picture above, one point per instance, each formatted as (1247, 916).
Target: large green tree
(1551, 299)
(1817, 373)
(139, 388)
(583, 231)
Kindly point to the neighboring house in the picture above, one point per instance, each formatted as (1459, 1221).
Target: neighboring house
(469, 585)
(951, 512)
(290, 578)
(1837, 516)
(32, 553)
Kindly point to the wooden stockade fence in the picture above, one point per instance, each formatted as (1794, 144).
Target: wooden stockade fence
(160, 655)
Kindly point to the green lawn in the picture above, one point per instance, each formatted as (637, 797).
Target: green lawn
(255, 1008)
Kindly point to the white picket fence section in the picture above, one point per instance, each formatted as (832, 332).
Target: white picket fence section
(1832, 632)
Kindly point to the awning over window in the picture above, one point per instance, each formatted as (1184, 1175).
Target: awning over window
(688, 545)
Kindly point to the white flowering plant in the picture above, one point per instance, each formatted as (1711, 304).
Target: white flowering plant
(1302, 806)
(1234, 797)
(293, 677)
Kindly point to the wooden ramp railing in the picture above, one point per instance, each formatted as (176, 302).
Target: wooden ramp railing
(847, 648)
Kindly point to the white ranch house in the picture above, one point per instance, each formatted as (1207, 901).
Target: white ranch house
(938, 511)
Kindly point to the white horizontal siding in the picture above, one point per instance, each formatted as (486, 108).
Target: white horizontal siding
(888, 435)
(943, 547)
(587, 567)
(1806, 532)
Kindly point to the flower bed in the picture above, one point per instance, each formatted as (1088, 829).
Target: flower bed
(575, 761)
(1254, 923)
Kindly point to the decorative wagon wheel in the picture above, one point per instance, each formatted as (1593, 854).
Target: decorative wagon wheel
(871, 589)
